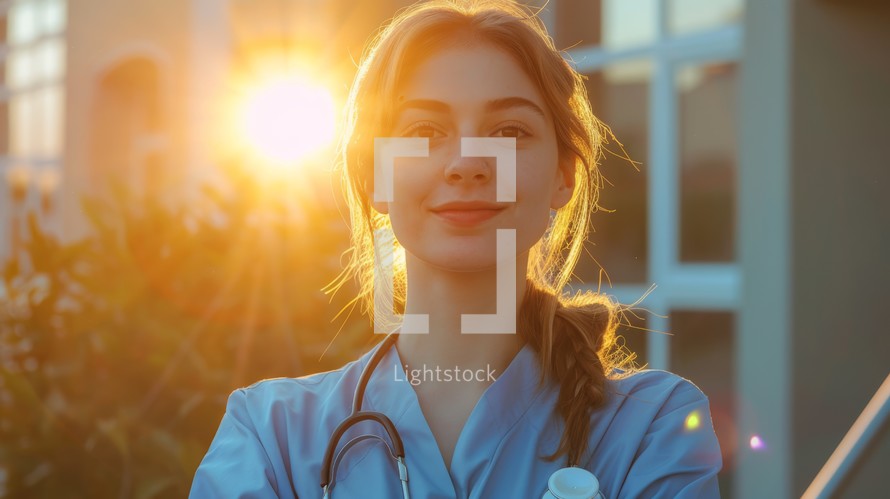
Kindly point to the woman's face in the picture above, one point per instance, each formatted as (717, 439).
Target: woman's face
(472, 91)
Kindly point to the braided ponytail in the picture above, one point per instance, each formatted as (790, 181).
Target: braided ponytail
(575, 338)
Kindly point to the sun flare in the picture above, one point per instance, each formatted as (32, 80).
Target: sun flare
(286, 119)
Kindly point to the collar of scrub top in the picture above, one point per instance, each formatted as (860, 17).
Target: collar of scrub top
(571, 482)
(329, 464)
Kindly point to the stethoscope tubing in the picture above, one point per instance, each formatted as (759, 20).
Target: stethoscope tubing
(357, 416)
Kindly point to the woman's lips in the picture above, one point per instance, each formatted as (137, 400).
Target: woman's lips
(467, 218)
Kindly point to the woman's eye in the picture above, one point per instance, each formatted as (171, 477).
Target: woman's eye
(423, 131)
(512, 131)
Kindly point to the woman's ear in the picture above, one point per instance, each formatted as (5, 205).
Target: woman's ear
(564, 185)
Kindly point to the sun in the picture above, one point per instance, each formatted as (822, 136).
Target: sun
(285, 119)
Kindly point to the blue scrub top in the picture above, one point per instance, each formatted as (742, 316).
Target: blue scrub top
(653, 438)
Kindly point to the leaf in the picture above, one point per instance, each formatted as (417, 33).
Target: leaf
(113, 429)
(22, 391)
(166, 442)
(147, 489)
(96, 210)
(190, 404)
(11, 270)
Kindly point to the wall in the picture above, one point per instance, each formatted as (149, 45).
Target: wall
(102, 35)
(840, 210)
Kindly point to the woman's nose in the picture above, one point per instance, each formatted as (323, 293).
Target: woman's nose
(468, 169)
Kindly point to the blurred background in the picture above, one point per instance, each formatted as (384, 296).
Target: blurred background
(168, 221)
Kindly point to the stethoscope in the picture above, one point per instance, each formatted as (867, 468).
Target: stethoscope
(567, 483)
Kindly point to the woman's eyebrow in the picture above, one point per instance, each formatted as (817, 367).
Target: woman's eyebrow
(513, 102)
(490, 106)
(424, 105)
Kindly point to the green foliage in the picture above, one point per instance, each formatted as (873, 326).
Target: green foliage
(117, 351)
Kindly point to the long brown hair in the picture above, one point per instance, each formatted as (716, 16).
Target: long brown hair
(574, 336)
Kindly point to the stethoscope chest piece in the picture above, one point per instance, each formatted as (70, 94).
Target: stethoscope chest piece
(572, 483)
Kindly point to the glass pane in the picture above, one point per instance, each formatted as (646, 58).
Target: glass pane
(34, 130)
(41, 59)
(628, 22)
(609, 23)
(708, 146)
(54, 12)
(49, 121)
(696, 15)
(703, 351)
(620, 97)
(22, 112)
(21, 68)
(50, 59)
(23, 19)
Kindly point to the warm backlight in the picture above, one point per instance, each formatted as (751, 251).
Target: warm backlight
(287, 119)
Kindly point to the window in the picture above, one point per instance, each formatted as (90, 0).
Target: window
(32, 50)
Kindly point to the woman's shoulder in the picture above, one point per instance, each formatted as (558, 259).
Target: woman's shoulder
(654, 393)
(657, 432)
(310, 396)
(316, 382)
(262, 422)
(650, 380)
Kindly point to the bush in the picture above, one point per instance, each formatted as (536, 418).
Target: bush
(118, 351)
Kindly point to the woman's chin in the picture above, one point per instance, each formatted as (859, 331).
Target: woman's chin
(464, 256)
(461, 261)
(474, 264)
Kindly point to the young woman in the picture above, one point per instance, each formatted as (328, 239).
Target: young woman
(551, 410)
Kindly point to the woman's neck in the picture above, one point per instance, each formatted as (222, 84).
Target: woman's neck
(445, 296)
